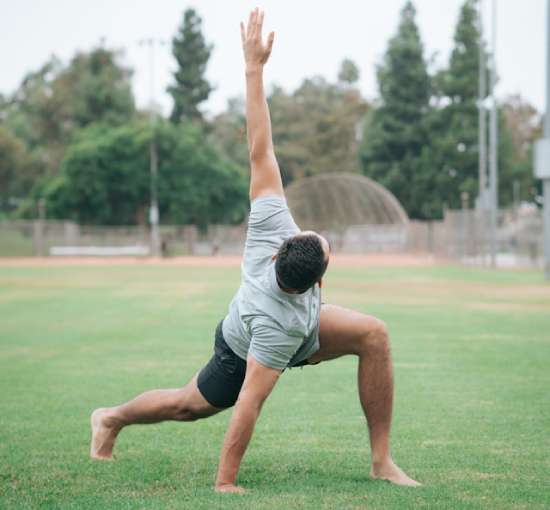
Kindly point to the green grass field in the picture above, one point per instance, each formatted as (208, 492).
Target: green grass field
(472, 412)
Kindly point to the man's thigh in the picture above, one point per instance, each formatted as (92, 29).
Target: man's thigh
(341, 332)
(219, 382)
(195, 402)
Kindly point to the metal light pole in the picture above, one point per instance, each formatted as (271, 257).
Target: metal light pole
(482, 113)
(546, 220)
(493, 163)
(482, 133)
(151, 43)
(542, 155)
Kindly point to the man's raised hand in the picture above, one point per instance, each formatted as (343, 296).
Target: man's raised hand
(256, 53)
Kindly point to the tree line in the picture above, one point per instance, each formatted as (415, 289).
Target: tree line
(72, 135)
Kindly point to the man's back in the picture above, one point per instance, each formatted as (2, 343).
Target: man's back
(278, 328)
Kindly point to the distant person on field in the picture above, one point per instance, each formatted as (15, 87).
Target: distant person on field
(275, 321)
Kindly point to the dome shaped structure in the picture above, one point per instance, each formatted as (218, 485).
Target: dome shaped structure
(338, 201)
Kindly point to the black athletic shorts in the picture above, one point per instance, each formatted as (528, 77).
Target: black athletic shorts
(221, 379)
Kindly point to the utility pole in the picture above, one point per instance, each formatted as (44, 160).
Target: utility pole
(542, 156)
(482, 127)
(493, 163)
(482, 113)
(39, 228)
(152, 43)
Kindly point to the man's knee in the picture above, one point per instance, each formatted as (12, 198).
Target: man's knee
(187, 414)
(374, 336)
(184, 410)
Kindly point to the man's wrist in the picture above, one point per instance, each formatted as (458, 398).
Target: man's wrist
(252, 69)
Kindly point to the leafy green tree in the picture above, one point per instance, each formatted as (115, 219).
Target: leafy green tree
(53, 103)
(228, 132)
(315, 128)
(524, 124)
(16, 170)
(105, 178)
(349, 72)
(96, 88)
(31, 134)
(34, 115)
(192, 54)
(393, 150)
(196, 185)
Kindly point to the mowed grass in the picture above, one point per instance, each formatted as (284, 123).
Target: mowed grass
(472, 409)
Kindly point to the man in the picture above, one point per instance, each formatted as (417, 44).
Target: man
(275, 321)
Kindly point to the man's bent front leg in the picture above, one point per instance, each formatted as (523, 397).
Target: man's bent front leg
(342, 332)
(183, 404)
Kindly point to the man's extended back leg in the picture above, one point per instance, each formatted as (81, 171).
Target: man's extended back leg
(183, 404)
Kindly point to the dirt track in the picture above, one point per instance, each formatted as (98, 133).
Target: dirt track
(215, 261)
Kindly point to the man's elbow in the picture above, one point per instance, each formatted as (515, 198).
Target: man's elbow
(260, 153)
(251, 401)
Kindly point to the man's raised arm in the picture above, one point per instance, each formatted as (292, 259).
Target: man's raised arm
(265, 177)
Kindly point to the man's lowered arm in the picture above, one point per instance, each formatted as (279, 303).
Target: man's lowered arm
(258, 384)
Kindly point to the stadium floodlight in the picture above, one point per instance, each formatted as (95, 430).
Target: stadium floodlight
(493, 143)
(482, 202)
(482, 109)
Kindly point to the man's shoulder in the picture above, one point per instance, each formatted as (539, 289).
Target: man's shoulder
(272, 199)
(270, 214)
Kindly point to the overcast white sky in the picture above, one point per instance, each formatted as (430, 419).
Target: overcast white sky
(312, 37)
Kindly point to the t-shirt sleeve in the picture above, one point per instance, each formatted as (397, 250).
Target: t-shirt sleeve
(269, 221)
(272, 347)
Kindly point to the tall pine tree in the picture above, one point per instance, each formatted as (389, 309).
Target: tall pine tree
(392, 151)
(191, 53)
(455, 121)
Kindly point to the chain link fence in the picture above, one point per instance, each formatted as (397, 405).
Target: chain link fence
(461, 236)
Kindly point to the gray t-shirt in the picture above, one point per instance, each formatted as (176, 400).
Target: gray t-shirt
(277, 328)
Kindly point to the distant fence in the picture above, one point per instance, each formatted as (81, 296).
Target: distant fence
(45, 238)
(462, 235)
(519, 237)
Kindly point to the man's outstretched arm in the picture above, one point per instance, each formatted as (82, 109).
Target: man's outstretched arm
(265, 177)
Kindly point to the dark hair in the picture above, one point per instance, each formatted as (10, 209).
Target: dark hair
(300, 263)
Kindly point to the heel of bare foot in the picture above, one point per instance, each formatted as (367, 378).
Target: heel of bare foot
(388, 470)
(103, 435)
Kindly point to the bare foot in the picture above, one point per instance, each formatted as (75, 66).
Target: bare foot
(388, 470)
(229, 487)
(103, 435)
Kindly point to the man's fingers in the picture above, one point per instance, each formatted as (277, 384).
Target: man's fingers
(259, 24)
(250, 25)
(270, 39)
(254, 26)
(243, 37)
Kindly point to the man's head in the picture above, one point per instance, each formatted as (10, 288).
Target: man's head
(301, 262)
